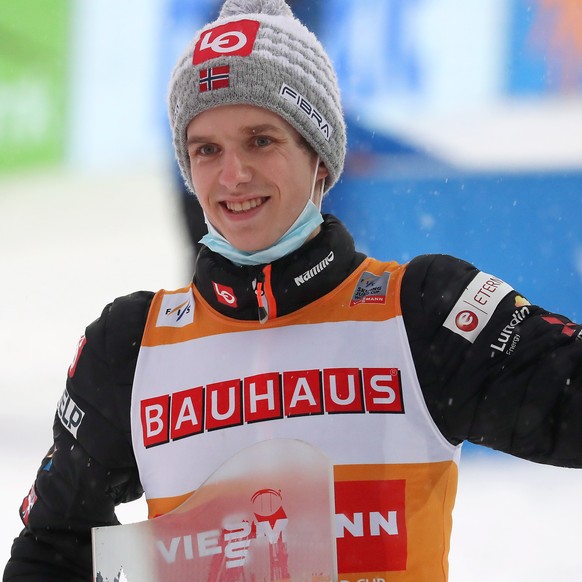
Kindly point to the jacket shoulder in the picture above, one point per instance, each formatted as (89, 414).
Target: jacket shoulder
(100, 381)
(121, 326)
(430, 287)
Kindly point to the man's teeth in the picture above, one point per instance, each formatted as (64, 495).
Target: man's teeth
(244, 206)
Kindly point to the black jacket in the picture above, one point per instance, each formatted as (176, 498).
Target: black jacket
(517, 388)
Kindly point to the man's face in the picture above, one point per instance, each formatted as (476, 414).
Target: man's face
(251, 173)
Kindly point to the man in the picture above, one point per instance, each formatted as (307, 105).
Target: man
(288, 331)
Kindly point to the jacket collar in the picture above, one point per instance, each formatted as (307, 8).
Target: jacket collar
(267, 291)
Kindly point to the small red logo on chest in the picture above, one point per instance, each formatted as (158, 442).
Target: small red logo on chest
(225, 294)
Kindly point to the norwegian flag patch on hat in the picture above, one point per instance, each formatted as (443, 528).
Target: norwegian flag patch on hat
(214, 78)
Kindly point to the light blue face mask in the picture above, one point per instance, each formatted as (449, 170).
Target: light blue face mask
(309, 219)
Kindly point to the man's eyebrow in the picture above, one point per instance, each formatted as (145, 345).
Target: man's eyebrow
(255, 129)
(248, 130)
(197, 139)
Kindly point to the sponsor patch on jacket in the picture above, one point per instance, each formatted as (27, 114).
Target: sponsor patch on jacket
(80, 346)
(225, 295)
(70, 413)
(476, 305)
(371, 527)
(568, 328)
(371, 288)
(509, 338)
(177, 310)
(314, 271)
(28, 504)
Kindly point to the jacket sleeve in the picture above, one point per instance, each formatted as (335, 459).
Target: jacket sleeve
(508, 376)
(90, 467)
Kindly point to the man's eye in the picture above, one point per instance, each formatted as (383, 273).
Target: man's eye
(262, 141)
(206, 150)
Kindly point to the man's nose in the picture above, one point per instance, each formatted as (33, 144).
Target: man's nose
(235, 169)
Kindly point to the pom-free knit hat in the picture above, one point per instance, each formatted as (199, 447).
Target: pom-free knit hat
(258, 53)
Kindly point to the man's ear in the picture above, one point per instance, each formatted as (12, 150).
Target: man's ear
(322, 171)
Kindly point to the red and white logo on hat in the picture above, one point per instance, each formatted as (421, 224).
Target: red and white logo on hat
(231, 39)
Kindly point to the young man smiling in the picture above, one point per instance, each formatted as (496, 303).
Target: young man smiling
(288, 331)
(252, 173)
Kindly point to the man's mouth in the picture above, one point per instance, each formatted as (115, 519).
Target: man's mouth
(244, 206)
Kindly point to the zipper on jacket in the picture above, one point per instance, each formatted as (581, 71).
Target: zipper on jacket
(264, 294)
(261, 299)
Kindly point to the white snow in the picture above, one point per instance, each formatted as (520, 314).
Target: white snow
(71, 243)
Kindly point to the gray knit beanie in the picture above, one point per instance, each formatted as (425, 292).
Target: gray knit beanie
(258, 53)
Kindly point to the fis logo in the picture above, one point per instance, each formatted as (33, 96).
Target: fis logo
(177, 310)
(371, 289)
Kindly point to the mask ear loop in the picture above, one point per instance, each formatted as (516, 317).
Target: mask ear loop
(315, 182)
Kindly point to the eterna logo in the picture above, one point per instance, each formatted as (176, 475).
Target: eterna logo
(467, 320)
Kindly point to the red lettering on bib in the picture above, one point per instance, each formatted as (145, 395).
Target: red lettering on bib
(371, 526)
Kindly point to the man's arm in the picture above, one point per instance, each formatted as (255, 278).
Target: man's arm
(514, 385)
(91, 467)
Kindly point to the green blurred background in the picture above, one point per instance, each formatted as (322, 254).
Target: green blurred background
(34, 51)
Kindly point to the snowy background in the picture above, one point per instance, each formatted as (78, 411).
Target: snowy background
(467, 124)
